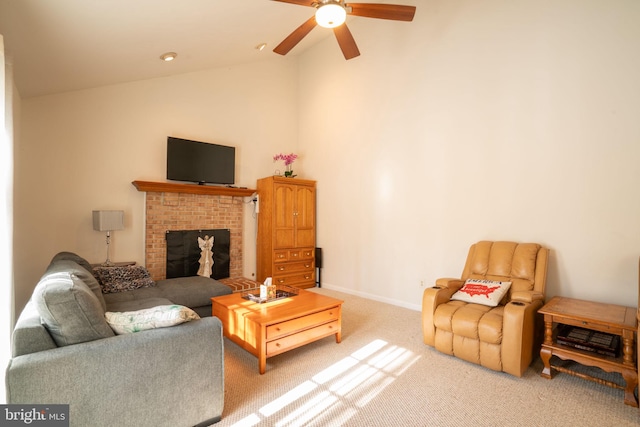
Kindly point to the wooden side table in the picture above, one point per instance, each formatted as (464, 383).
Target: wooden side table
(116, 264)
(607, 318)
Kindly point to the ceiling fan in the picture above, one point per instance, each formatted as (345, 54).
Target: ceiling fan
(332, 14)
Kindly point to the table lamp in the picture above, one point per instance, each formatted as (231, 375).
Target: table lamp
(108, 221)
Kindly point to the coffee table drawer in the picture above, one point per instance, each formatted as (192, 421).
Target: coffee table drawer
(304, 322)
(302, 338)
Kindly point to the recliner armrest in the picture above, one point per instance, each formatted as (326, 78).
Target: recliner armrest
(449, 283)
(431, 298)
(519, 333)
(527, 296)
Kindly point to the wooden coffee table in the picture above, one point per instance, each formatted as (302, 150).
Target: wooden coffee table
(271, 328)
(608, 318)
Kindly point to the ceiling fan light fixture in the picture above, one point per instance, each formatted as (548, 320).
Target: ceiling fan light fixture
(331, 15)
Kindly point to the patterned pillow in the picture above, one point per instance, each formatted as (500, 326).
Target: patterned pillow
(485, 292)
(162, 316)
(119, 279)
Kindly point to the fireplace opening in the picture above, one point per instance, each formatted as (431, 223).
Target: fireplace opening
(184, 253)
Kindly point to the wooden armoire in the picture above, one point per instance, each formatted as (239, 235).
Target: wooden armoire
(286, 231)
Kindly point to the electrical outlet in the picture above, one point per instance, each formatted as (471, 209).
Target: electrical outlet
(422, 283)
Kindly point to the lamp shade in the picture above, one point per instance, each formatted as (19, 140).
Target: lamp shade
(331, 15)
(108, 220)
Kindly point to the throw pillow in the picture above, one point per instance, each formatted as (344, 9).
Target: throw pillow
(485, 292)
(119, 279)
(156, 317)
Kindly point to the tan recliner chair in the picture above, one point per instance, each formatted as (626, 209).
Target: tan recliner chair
(501, 338)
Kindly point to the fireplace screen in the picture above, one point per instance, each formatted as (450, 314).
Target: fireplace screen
(183, 253)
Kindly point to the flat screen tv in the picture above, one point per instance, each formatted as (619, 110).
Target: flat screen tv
(200, 162)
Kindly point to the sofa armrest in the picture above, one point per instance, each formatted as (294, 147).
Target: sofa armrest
(29, 334)
(166, 376)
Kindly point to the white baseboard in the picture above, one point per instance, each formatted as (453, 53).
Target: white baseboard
(415, 307)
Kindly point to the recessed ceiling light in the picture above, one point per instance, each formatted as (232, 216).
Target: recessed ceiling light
(169, 56)
(261, 46)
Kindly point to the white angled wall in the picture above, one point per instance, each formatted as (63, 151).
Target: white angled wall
(512, 120)
(80, 151)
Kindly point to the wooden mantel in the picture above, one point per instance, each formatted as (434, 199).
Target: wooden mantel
(170, 187)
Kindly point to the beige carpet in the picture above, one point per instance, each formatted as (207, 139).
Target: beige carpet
(383, 375)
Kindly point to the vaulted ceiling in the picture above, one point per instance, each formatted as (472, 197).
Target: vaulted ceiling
(63, 45)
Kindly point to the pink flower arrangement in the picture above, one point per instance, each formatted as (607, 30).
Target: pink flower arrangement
(288, 160)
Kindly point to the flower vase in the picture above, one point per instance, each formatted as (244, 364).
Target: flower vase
(289, 172)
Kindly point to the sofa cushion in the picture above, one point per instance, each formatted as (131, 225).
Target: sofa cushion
(70, 256)
(60, 264)
(126, 278)
(70, 311)
(157, 317)
(193, 291)
(485, 292)
(135, 294)
(137, 304)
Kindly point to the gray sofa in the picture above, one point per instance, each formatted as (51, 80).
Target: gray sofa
(64, 352)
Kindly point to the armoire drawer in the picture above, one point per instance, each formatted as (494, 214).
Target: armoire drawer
(294, 279)
(292, 267)
(283, 255)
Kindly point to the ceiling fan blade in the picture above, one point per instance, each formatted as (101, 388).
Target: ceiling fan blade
(294, 38)
(346, 41)
(300, 2)
(394, 12)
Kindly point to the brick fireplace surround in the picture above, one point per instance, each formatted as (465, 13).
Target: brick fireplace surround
(180, 207)
(180, 211)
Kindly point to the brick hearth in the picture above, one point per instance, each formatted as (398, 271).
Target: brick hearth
(181, 211)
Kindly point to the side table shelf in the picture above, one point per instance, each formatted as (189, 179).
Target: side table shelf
(608, 318)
